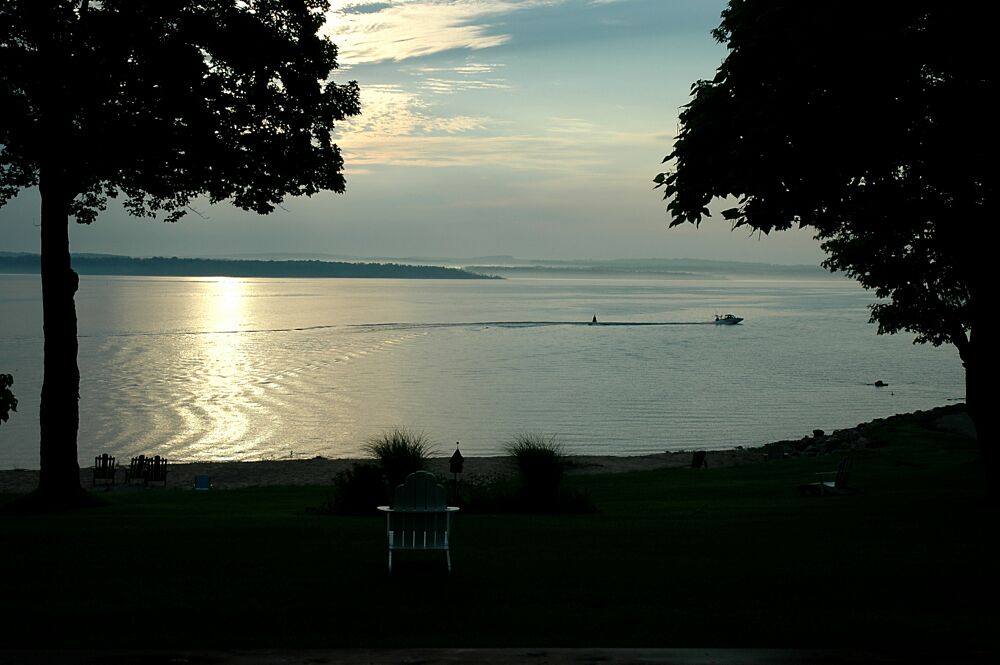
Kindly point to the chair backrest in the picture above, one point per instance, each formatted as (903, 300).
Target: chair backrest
(420, 492)
(202, 482)
(158, 468)
(104, 466)
(843, 472)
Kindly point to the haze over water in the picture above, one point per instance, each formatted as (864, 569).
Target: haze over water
(248, 369)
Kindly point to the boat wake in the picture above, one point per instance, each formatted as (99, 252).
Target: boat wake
(531, 324)
(410, 326)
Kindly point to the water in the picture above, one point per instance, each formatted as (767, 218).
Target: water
(211, 369)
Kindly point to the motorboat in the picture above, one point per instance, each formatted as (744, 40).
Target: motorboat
(727, 319)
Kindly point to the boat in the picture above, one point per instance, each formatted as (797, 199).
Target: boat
(727, 319)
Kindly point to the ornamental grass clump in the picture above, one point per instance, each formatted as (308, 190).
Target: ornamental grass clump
(541, 463)
(399, 452)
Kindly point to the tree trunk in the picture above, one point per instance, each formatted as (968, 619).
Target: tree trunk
(976, 394)
(59, 415)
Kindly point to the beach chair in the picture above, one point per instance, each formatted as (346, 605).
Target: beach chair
(419, 519)
(104, 470)
(156, 470)
(698, 460)
(826, 487)
(202, 483)
(136, 470)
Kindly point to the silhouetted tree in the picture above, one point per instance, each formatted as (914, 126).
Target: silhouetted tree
(154, 102)
(870, 123)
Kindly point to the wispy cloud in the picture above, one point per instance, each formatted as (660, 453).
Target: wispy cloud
(459, 78)
(411, 122)
(392, 111)
(367, 32)
(484, 143)
(523, 152)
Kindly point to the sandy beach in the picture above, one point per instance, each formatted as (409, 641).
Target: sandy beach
(227, 475)
(320, 470)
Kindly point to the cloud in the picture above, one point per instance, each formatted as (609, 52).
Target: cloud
(364, 7)
(459, 78)
(414, 120)
(368, 32)
(392, 111)
(483, 142)
(450, 86)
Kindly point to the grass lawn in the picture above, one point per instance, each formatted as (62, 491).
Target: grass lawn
(675, 557)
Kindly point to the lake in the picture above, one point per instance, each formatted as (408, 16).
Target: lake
(245, 369)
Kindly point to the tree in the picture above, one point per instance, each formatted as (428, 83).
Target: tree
(868, 122)
(154, 102)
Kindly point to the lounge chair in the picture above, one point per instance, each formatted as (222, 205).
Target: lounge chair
(825, 487)
(156, 470)
(136, 470)
(104, 470)
(418, 518)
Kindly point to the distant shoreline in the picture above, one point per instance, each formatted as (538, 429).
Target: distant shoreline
(25, 263)
(319, 265)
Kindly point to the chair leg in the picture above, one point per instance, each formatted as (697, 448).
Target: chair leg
(390, 561)
(447, 554)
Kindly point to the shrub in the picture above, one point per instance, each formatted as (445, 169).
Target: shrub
(356, 491)
(399, 452)
(541, 464)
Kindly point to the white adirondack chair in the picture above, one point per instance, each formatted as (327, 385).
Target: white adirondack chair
(419, 518)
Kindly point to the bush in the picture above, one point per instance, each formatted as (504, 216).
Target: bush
(541, 464)
(399, 453)
(501, 496)
(356, 491)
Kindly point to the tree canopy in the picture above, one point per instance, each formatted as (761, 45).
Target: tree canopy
(158, 102)
(870, 123)
(154, 102)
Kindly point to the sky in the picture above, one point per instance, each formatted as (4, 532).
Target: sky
(530, 128)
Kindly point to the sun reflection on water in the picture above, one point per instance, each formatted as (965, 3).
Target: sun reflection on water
(217, 418)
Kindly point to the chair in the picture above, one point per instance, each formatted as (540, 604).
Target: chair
(156, 470)
(104, 470)
(136, 470)
(698, 460)
(202, 483)
(825, 487)
(418, 518)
